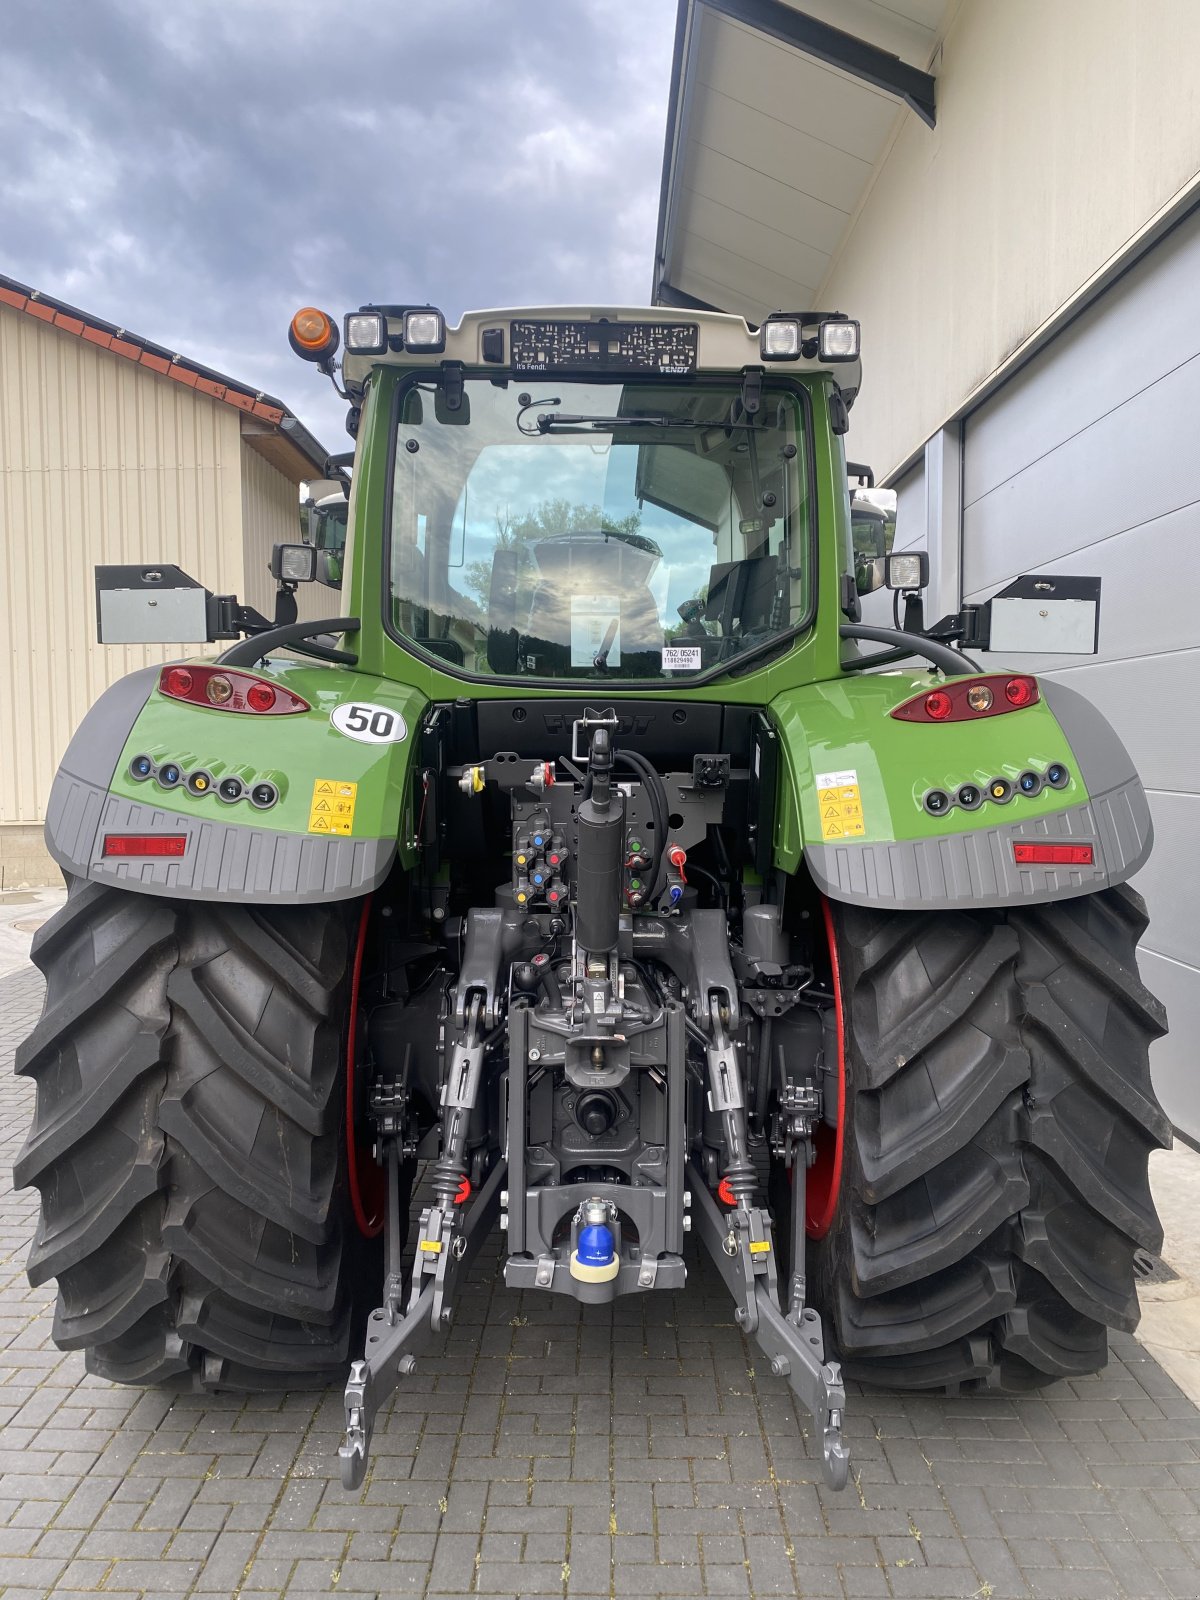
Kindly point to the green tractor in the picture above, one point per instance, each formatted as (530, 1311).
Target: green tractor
(588, 865)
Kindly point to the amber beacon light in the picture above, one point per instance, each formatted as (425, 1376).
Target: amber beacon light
(313, 334)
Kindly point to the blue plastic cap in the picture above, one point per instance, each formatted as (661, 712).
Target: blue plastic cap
(595, 1248)
(676, 893)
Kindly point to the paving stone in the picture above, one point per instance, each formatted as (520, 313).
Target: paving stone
(642, 1452)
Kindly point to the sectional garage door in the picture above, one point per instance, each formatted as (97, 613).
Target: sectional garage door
(1088, 461)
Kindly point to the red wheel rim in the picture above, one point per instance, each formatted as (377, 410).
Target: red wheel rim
(366, 1180)
(825, 1175)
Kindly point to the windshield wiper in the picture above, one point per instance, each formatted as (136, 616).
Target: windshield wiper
(547, 420)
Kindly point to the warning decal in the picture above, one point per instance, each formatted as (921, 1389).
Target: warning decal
(332, 809)
(839, 805)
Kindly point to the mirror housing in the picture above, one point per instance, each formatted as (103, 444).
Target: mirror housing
(1041, 614)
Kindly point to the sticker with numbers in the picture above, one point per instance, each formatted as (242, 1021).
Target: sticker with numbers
(681, 658)
(332, 808)
(839, 805)
(369, 724)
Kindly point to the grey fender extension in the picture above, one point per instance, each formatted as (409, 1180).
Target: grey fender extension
(220, 858)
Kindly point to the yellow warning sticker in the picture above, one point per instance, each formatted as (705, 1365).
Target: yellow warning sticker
(332, 809)
(839, 803)
(759, 1247)
(432, 1247)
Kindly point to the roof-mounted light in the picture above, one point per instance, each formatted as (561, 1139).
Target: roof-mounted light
(312, 334)
(838, 339)
(366, 333)
(779, 339)
(425, 330)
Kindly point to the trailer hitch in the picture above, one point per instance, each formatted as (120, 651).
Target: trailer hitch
(741, 1245)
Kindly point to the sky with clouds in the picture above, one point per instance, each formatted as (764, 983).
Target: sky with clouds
(194, 170)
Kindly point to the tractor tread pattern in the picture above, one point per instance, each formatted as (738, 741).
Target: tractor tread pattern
(1000, 1126)
(186, 1138)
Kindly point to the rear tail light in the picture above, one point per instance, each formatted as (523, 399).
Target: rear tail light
(965, 699)
(228, 690)
(1054, 855)
(144, 844)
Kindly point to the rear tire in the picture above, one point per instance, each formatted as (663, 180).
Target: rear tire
(188, 1139)
(999, 1118)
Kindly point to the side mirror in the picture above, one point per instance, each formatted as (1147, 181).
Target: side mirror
(293, 563)
(329, 568)
(869, 575)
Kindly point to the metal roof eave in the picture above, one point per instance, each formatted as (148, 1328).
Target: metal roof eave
(856, 57)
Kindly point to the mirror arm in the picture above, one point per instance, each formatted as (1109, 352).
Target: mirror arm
(293, 636)
(952, 662)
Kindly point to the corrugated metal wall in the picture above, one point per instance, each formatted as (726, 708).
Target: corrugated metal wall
(102, 461)
(1085, 462)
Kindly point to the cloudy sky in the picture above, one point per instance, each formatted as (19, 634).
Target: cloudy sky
(195, 170)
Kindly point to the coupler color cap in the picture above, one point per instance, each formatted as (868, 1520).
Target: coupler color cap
(594, 1259)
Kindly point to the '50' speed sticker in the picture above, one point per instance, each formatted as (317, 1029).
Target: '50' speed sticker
(368, 723)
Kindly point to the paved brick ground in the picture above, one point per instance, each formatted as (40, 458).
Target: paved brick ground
(641, 1453)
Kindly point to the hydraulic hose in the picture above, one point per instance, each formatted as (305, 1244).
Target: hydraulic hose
(660, 808)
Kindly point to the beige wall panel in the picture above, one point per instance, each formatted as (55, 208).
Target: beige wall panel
(100, 461)
(1061, 133)
(271, 515)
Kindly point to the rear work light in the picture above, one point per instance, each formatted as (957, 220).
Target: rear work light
(966, 699)
(144, 844)
(1054, 855)
(228, 690)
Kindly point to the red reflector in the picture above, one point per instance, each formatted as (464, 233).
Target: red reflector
(144, 844)
(1054, 855)
(463, 1193)
(725, 1193)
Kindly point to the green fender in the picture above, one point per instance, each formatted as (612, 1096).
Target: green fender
(342, 777)
(853, 781)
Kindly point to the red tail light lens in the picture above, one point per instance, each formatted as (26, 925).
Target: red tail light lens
(1020, 691)
(177, 681)
(968, 699)
(224, 689)
(144, 844)
(1054, 855)
(261, 697)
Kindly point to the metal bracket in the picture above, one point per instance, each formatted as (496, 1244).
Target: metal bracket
(794, 1343)
(392, 1348)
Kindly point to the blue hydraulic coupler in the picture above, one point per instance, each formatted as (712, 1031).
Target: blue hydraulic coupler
(594, 1259)
(595, 1246)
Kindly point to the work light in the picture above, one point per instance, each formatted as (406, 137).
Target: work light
(907, 571)
(366, 332)
(779, 339)
(838, 339)
(424, 330)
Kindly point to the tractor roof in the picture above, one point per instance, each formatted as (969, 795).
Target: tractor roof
(722, 343)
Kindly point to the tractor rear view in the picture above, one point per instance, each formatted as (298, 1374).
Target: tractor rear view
(579, 865)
